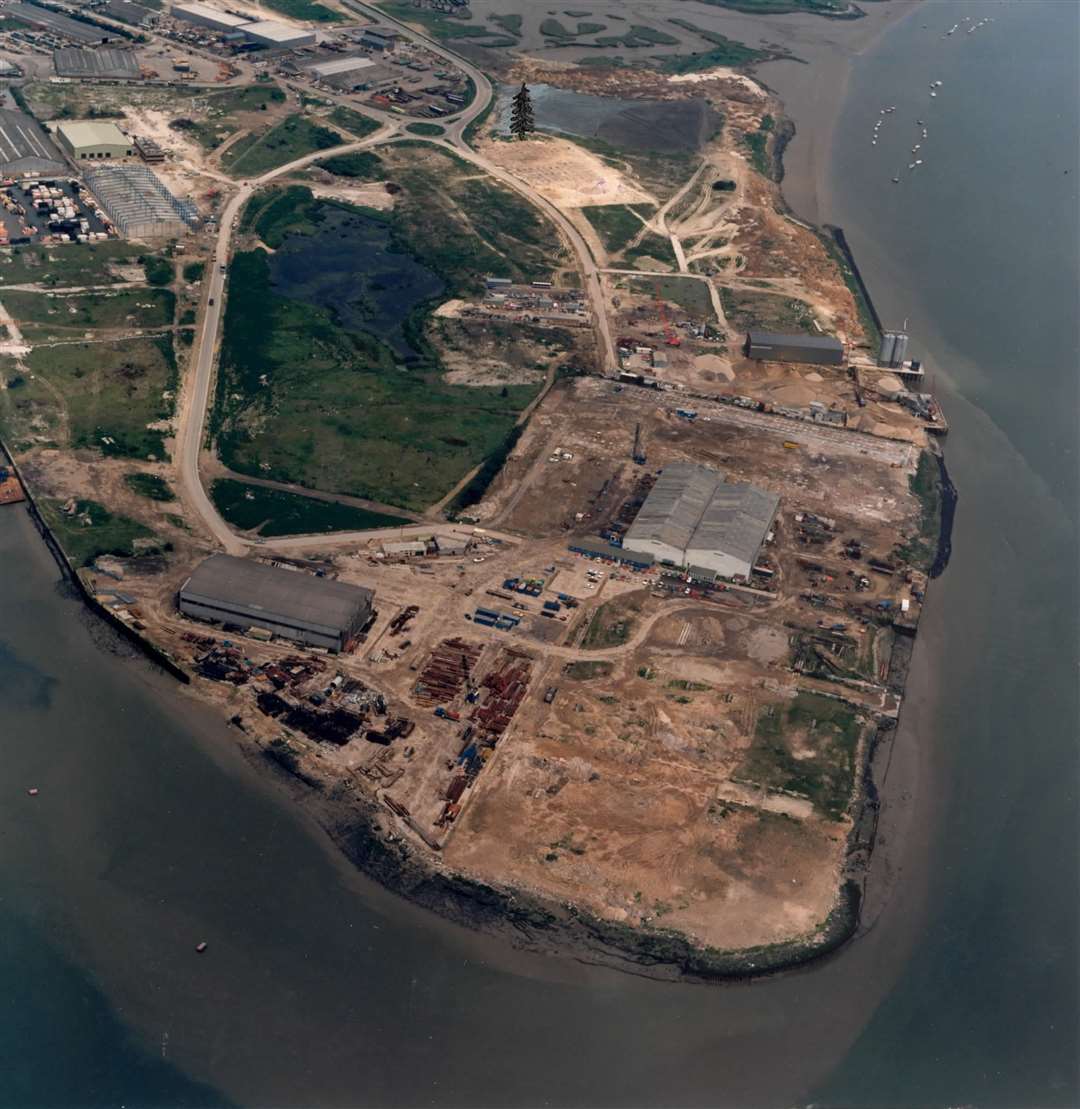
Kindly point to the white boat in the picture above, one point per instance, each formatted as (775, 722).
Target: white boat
(933, 94)
(896, 180)
(913, 165)
(938, 84)
(918, 161)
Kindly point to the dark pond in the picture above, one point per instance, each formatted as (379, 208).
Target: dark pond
(350, 268)
(662, 126)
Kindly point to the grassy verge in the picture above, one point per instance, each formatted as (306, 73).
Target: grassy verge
(651, 246)
(920, 550)
(152, 486)
(56, 314)
(76, 264)
(612, 624)
(275, 512)
(617, 224)
(765, 311)
(293, 138)
(361, 166)
(91, 530)
(356, 123)
(823, 770)
(111, 391)
(430, 130)
(688, 293)
(583, 670)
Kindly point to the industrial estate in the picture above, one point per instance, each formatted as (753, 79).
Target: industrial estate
(553, 516)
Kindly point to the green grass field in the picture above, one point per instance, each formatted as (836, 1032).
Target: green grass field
(73, 264)
(824, 770)
(921, 549)
(111, 391)
(765, 311)
(363, 165)
(617, 224)
(335, 413)
(275, 512)
(688, 293)
(55, 314)
(92, 530)
(293, 138)
(429, 130)
(356, 123)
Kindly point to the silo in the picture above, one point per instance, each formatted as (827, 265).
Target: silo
(888, 345)
(900, 349)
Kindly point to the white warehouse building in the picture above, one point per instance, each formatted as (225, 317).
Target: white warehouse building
(205, 15)
(693, 518)
(277, 36)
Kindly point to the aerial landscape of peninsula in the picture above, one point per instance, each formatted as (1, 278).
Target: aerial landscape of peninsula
(470, 416)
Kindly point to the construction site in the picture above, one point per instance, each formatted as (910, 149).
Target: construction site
(635, 659)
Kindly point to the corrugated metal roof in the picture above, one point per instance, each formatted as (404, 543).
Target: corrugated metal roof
(735, 521)
(810, 342)
(692, 509)
(264, 591)
(675, 505)
(93, 133)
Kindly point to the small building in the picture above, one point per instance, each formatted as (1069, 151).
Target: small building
(292, 604)
(25, 148)
(94, 140)
(276, 36)
(409, 548)
(206, 15)
(378, 38)
(692, 517)
(770, 346)
(451, 546)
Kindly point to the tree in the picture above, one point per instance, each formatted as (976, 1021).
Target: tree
(521, 116)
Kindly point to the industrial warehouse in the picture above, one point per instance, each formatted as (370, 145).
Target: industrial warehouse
(292, 604)
(693, 518)
(769, 346)
(25, 148)
(94, 141)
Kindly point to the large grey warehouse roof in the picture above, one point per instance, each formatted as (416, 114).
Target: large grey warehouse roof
(807, 342)
(735, 520)
(693, 509)
(675, 506)
(25, 148)
(259, 589)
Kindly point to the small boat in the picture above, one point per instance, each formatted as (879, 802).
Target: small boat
(201, 947)
(918, 161)
(896, 180)
(938, 84)
(915, 149)
(918, 123)
(913, 165)
(33, 792)
(933, 94)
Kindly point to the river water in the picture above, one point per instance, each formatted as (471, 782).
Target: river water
(151, 831)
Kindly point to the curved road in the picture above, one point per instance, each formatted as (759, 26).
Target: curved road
(196, 396)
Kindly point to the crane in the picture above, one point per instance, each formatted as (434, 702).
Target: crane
(638, 454)
(670, 337)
